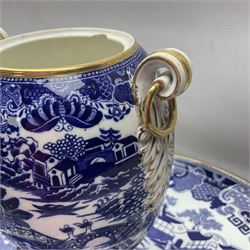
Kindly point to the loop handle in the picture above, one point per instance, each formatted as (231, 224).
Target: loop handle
(149, 82)
(146, 113)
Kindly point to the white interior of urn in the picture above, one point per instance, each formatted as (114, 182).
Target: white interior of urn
(62, 47)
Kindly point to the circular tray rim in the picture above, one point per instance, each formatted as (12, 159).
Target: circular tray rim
(214, 167)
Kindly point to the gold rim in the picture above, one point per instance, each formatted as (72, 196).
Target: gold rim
(69, 70)
(215, 167)
(185, 64)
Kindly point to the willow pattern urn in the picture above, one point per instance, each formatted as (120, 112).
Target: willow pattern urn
(87, 136)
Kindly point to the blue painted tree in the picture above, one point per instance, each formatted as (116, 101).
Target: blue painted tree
(10, 209)
(8, 139)
(16, 156)
(23, 162)
(110, 137)
(201, 219)
(71, 146)
(116, 208)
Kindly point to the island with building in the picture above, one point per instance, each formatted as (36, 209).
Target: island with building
(68, 162)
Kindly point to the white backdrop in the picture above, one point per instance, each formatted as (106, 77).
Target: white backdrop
(213, 122)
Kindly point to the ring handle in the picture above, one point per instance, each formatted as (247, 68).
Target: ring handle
(146, 113)
(154, 91)
(3, 34)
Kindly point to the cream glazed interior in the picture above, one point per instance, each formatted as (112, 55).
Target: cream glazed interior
(62, 47)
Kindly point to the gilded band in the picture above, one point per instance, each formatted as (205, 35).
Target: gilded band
(186, 65)
(69, 70)
(215, 167)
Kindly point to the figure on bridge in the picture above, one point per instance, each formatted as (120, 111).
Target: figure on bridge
(68, 230)
(86, 224)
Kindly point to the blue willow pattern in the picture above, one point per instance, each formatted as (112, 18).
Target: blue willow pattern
(221, 208)
(45, 104)
(71, 169)
(205, 224)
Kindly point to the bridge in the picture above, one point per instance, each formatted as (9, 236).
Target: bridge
(95, 157)
(25, 234)
(80, 240)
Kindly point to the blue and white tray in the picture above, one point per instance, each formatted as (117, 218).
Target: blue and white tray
(205, 208)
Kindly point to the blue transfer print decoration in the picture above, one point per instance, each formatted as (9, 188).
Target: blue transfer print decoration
(63, 103)
(194, 216)
(68, 172)
(61, 158)
(204, 224)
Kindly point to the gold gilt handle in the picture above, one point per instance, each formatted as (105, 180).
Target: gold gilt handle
(151, 86)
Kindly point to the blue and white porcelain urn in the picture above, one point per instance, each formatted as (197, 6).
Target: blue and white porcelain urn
(87, 121)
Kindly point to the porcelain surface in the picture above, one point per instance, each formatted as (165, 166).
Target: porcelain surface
(87, 144)
(71, 174)
(204, 207)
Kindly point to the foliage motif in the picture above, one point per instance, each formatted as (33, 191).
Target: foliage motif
(47, 115)
(201, 219)
(9, 210)
(45, 104)
(86, 175)
(201, 228)
(110, 137)
(119, 196)
(71, 146)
